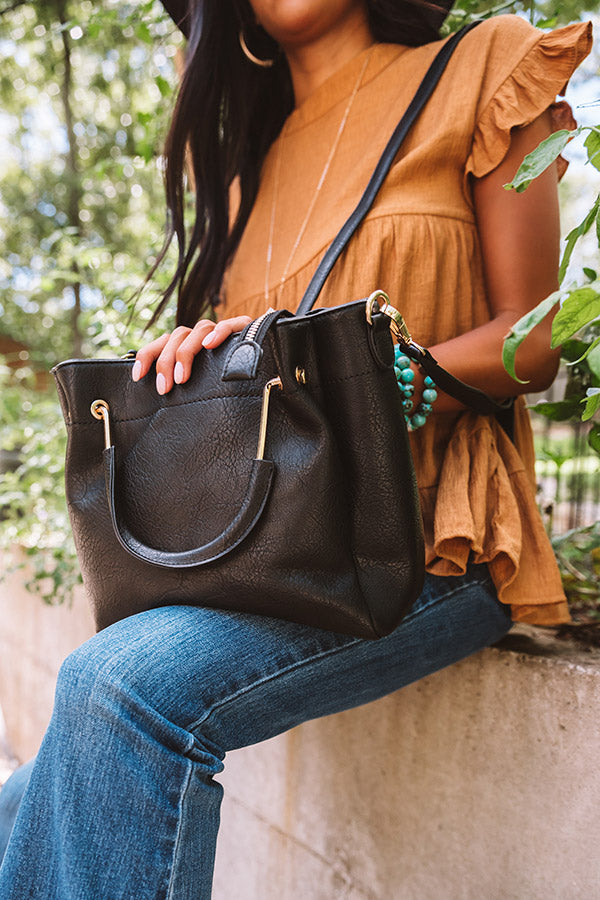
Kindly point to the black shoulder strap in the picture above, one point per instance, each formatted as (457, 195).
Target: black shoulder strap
(465, 393)
(340, 241)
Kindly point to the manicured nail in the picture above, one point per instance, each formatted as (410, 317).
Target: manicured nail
(208, 340)
(161, 383)
(178, 373)
(136, 371)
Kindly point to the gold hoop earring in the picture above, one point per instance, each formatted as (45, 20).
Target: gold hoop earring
(263, 63)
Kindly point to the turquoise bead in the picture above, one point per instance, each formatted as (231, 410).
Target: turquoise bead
(407, 405)
(407, 375)
(402, 362)
(417, 421)
(429, 395)
(429, 382)
(425, 408)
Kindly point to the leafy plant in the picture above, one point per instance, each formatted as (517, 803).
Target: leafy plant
(578, 555)
(576, 325)
(85, 94)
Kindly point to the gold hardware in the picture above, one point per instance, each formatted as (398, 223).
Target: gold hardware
(264, 415)
(300, 375)
(131, 354)
(398, 326)
(100, 409)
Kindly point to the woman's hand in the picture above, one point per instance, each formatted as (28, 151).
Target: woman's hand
(174, 353)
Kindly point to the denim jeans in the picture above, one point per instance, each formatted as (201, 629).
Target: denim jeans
(122, 802)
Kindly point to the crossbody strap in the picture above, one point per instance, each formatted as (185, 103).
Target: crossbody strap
(464, 393)
(365, 203)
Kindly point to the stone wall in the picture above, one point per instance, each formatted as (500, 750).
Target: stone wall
(481, 781)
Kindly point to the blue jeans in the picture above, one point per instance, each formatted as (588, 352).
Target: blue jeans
(121, 801)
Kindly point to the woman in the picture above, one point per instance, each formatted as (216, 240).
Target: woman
(146, 710)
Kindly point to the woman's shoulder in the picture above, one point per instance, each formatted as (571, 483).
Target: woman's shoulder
(506, 54)
(499, 45)
(514, 34)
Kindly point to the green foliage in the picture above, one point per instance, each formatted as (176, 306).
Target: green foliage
(85, 91)
(521, 329)
(82, 88)
(579, 310)
(539, 159)
(578, 555)
(32, 505)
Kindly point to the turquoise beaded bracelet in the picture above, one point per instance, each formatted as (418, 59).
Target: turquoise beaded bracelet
(405, 376)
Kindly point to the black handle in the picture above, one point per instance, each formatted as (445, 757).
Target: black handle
(259, 487)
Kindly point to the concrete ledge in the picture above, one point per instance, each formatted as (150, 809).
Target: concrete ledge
(481, 781)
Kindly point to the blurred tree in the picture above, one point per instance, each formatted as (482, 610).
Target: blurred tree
(85, 94)
(85, 91)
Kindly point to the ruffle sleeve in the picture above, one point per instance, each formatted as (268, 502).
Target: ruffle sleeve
(483, 507)
(526, 91)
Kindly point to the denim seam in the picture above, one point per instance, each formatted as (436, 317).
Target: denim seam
(176, 842)
(435, 600)
(310, 659)
(271, 677)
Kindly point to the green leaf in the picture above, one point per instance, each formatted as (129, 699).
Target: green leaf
(592, 145)
(143, 33)
(593, 357)
(573, 350)
(539, 159)
(590, 273)
(594, 438)
(559, 411)
(592, 403)
(521, 329)
(585, 353)
(580, 307)
(163, 86)
(574, 235)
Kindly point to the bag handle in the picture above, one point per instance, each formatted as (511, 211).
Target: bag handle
(340, 241)
(257, 493)
(242, 522)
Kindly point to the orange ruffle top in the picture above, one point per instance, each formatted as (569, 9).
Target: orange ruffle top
(419, 243)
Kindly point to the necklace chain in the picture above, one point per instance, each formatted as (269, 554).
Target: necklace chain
(313, 202)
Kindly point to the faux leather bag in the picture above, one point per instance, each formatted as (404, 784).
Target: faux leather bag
(277, 481)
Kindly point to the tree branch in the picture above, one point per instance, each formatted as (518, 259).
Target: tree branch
(12, 6)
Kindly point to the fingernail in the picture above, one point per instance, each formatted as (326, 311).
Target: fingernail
(208, 340)
(136, 371)
(161, 383)
(178, 373)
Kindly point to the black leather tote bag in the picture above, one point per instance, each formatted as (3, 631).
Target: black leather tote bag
(277, 481)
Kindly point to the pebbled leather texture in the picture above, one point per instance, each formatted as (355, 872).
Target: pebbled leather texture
(337, 542)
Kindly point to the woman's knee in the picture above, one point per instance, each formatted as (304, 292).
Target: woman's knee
(104, 667)
(153, 660)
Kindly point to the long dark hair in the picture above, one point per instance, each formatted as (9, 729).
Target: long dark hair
(227, 114)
